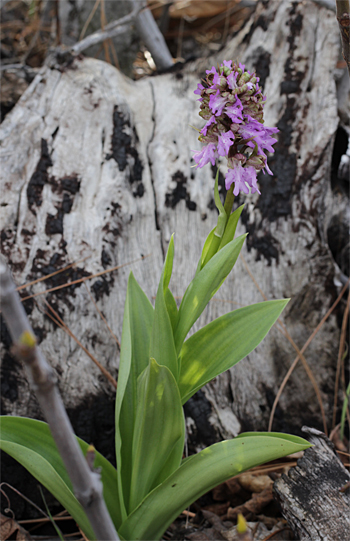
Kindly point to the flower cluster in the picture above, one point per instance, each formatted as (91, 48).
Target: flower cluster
(232, 105)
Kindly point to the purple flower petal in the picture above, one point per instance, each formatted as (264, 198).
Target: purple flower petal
(236, 175)
(268, 170)
(199, 89)
(261, 135)
(243, 177)
(227, 64)
(212, 120)
(249, 176)
(232, 80)
(217, 103)
(213, 70)
(234, 111)
(225, 140)
(206, 155)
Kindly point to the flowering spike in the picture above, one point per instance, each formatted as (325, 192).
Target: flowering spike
(232, 105)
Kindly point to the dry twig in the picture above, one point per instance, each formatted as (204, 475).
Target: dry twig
(295, 362)
(111, 30)
(86, 483)
(340, 357)
(282, 328)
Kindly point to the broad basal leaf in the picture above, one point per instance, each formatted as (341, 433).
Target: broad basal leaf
(162, 346)
(159, 431)
(222, 343)
(30, 443)
(199, 474)
(134, 358)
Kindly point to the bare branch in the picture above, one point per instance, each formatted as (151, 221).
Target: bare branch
(152, 36)
(110, 31)
(86, 484)
(343, 18)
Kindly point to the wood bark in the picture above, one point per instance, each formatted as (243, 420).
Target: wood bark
(96, 169)
(310, 495)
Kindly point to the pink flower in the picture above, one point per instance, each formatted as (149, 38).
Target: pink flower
(261, 135)
(210, 121)
(198, 91)
(217, 103)
(234, 111)
(206, 155)
(236, 176)
(225, 140)
(232, 80)
(232, 105)
(243, 178)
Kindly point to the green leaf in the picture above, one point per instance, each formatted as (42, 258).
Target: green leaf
(206, 247)
(213, 247)
(162, 346)
(171, 307)
(30, 443)
(199, 474)
(224, 342)
(231, 227)
(159, 432)
(222, 218)
(134, 358)
(204, 286)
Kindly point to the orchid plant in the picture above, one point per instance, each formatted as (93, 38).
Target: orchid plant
(159, 368)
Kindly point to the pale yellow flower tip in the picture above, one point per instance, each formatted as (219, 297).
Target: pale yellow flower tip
(91, 449)
(241, 524)
(27, 339)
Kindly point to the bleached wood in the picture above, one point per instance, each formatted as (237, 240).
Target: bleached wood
(113, 220)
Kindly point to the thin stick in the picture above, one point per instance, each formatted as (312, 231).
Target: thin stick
(343, 453)
(60, 323)
(103, 24)
(24, 286)
(299, 352)
(83, 279)
(114, 53)
(340, 358)
(295, 362)
(88, 20)
(111, 30)
(87, 484)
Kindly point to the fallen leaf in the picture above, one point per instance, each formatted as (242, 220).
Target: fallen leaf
(254, 483)
(10, 529)
(254, 505)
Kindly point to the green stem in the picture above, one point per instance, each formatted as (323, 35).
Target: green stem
(224, 214)
(229, 201)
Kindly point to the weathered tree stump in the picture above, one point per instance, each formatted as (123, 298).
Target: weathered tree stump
(96, 170)
(310, 495)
